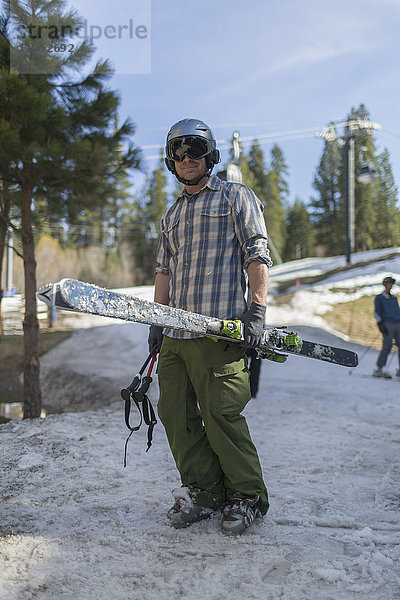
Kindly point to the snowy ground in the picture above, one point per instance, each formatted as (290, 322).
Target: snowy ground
(76, 525)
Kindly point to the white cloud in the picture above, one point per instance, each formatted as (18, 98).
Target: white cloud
(307, 56)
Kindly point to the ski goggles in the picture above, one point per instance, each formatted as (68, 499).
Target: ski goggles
(195, 147)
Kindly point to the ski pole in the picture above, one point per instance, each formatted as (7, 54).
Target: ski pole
(390, 358)
(363, 354)
(138, 392)
(138, 378)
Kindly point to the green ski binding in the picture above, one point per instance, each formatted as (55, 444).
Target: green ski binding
(232, 329)
(293, 339)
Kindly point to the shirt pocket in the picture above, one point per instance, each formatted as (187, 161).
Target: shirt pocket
(172, 234)
(216, 221)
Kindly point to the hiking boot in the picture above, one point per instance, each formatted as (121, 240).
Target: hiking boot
(239, 514)
(380, 373)
(185, 511)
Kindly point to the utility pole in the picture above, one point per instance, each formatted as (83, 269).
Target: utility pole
(353, 128)
(350, 195)
(10, 256)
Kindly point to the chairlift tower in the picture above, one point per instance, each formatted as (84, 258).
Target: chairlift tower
(353, 128)
(233, 171)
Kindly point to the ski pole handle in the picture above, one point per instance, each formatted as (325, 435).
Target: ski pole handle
(138, 378)
(146, 362)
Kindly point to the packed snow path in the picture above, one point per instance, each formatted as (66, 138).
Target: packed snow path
(76, 524)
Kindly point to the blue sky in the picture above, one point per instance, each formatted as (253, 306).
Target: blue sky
(265, 68)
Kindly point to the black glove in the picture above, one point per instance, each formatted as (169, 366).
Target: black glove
(155, 337)
(382, 327)
(253, 320)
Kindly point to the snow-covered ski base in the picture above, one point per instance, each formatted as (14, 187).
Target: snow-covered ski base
(76, 524)
(71, 294)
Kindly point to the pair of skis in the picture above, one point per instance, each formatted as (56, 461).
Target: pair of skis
(71, 294)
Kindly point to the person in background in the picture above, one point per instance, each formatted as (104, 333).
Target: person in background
(387, 314)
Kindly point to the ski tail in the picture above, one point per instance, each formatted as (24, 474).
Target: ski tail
(278, 338)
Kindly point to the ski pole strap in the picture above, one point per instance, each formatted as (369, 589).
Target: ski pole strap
(137, 392)
(149, 417)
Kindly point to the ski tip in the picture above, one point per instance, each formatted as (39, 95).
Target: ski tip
(50, 294)
(46, 293)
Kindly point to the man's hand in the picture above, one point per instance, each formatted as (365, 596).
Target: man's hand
(253, 320)
(155, 337)
(382, 327)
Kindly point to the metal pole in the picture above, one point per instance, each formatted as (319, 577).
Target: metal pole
(350, 242)
(10, 256)
(352, 193)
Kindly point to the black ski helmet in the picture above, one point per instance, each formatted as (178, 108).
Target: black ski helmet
(191, 128)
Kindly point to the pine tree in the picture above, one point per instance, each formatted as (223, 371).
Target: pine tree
(257, 167)
(376, 213)
(300, 233)
(364, 150)
(387, 222)
(327, 206)
(276, 198)
(56, 149)
(150, 209)
(119, 204)
(247, 174)
(271, 187)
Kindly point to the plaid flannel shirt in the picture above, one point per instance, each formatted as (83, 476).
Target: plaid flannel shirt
(207, 240)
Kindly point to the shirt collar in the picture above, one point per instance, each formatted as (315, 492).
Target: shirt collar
(213, 183)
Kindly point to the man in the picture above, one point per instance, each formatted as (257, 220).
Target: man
(387, 314)
(211, 236)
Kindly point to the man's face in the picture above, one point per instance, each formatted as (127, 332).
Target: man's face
(189, 168)
(388, 285)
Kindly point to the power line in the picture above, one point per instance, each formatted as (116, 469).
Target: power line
(392, 135)
(261, 136)
(228, 125)
(262, 139)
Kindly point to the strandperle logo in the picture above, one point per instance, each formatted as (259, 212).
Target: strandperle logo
(122, 37)
(88, 31)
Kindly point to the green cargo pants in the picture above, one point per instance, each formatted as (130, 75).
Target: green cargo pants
(204, 386)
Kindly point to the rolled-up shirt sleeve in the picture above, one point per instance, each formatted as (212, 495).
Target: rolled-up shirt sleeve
(250, 227)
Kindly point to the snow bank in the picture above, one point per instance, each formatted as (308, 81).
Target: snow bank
(75, 524)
